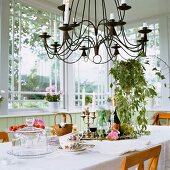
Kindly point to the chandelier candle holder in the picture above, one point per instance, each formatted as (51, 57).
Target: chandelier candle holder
(87, 27)
(87, 115)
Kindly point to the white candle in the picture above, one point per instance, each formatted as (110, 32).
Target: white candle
(112, 16)
(83, 99)
(123, 2)
(55, 31)
(94, 102)
(74, 20)
(145, 25)
(44, 28)
(66, 13)
(64, 2)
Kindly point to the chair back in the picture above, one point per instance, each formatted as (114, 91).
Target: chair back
(138, 158)
(165, 117)
(4, 137)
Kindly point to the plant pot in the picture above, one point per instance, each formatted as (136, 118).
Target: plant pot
(53, 106)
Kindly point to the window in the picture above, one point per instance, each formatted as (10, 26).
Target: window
(30, 70)
(92, 77)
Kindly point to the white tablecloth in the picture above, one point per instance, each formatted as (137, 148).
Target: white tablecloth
(106, 155)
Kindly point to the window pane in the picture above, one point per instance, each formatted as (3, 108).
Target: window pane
(92, 77)
(30, 70)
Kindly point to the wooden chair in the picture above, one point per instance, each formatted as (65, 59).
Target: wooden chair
(138, 159)
(165, 117)
(4, 137)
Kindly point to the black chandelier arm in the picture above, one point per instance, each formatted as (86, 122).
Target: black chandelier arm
(126, 40)
(76, 9)
(118, 11)
(133, 56)
(65, 60)
(95, 13)
(78, 42)
(104, 16)
(46, 44)
(137, 49)
(49, 54)
(81, 23)
(49, 49)
(137, 45)
(80, 32)
(71, 11)
(103, 40)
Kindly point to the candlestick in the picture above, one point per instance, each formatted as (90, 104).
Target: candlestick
(88, 120)
(94, 102)
(55, 31)
(123, 2)
(112, 16)
(83, 100)
(44, 29)
(66, 13)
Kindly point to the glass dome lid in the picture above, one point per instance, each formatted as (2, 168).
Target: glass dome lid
(30, 129)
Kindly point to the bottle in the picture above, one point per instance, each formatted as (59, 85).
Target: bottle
(116, 118)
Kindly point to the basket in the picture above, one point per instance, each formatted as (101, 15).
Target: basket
(60, 131)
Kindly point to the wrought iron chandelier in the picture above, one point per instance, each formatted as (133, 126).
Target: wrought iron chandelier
(89, 33)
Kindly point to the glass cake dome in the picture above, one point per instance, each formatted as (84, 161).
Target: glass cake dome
(30, 141)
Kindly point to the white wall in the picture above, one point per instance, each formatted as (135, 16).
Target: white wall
(4, 37)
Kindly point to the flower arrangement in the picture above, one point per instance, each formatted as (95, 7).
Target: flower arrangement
(51, 95)
(1, 97)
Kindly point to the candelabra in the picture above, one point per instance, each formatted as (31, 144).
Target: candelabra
(86, 119)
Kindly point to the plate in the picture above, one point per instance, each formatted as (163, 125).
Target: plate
(65, 152)
(76, 151)
(29, 154)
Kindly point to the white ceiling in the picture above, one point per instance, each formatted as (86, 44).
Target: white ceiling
(141, 9)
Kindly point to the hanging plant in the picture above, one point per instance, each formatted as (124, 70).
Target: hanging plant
(132, 91)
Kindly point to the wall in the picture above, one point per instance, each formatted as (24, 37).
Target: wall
(4, 37)
(6, 122)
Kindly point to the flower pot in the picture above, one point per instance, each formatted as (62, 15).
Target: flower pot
(53, 106)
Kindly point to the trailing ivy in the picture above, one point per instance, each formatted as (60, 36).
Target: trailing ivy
(131, 91)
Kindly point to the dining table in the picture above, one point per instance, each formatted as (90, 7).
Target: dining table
(106, 155)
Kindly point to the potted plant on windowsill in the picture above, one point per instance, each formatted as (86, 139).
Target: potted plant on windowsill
(53, 98)
(132, 91)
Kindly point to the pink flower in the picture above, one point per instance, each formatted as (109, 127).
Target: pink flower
(113, 136)
(60, 92)
(50, 89)
(39, 121)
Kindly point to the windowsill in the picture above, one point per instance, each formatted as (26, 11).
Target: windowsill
(25, 113)
(42, 112)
